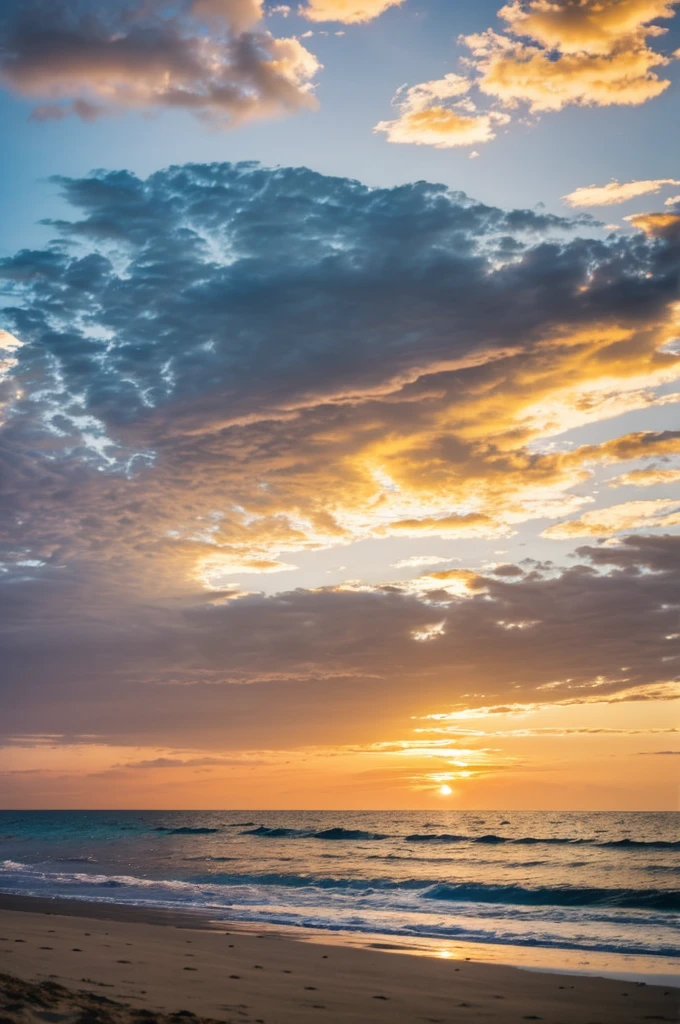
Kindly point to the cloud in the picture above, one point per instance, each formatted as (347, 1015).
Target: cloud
(323, 664)
(347, 11)
(631, 515)
(575, 26)
(468, 315)
(646, 478)
(590, 53)
(615, 192)
(657, 225)
(224, 369)
(89, 60)
(433, 114)
(414, 561)
(548, 56)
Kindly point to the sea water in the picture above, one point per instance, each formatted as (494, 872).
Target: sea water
(587, 890)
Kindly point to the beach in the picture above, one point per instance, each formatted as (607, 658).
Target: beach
(119, 964)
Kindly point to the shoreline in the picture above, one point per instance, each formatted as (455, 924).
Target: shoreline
(177, 962)
(662, 971)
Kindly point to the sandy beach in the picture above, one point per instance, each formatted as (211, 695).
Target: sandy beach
(110, 965)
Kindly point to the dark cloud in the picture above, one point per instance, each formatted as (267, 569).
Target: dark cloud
(224, 365)
(91, 57)
(333, 663)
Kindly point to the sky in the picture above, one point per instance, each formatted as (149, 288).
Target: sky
(339, 404)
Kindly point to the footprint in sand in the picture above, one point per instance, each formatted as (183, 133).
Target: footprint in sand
(189, 968)
(385, 998)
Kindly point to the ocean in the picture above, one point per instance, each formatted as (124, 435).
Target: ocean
(590, 891)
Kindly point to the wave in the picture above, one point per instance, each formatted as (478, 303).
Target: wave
(186, 831)
(649, 844)
(563, 896)
(492, 839)
(509, 895)
(348, 834)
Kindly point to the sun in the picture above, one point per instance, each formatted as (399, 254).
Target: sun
(445, 790)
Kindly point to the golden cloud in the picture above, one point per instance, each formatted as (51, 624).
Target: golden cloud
(615, 192)
(347, 11)
(584, 26)
(631, 515)
(656, 225)
(646, 478)
(550, 55)
(424, 120)
(513, 72)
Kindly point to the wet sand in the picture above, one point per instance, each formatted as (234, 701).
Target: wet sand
(63, 962)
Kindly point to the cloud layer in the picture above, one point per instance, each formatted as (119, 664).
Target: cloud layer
(221, 369)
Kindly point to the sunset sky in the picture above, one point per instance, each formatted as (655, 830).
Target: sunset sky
(340, 404)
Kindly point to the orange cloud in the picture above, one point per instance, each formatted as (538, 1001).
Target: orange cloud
(550, 56)
(657, 225)
(615, 192)
(578, 26)
(513, 72)
(433, 114)
(347, 11)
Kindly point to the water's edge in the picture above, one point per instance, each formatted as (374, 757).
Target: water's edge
(559, 962)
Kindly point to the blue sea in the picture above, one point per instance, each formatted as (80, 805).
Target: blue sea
(594, 891)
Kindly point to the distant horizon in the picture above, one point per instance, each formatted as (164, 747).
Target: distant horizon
(339, 810)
